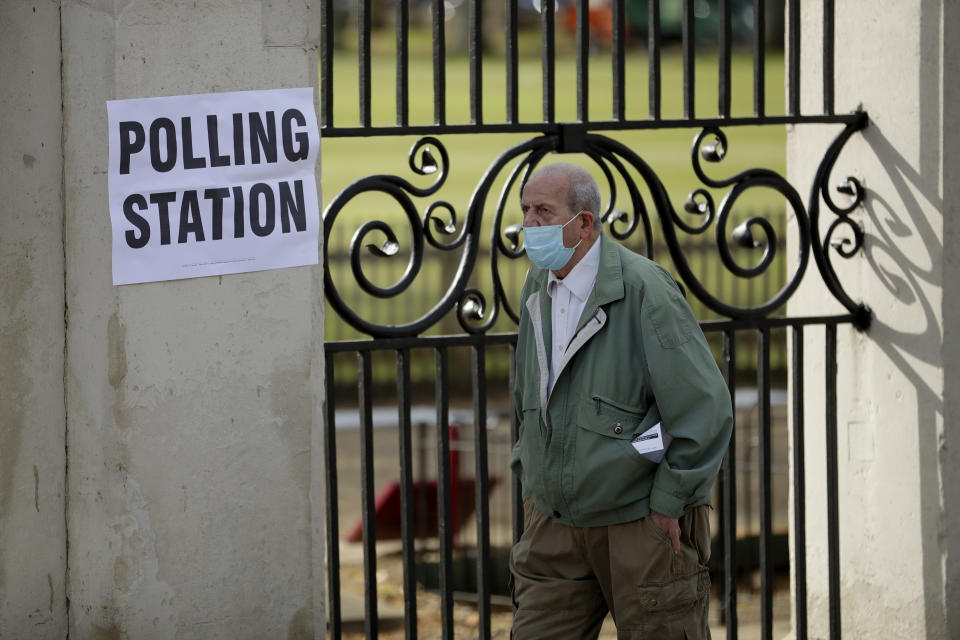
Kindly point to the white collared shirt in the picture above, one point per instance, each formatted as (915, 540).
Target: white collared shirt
(569, 296)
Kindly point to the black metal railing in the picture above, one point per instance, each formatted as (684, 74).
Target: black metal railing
(549, 124)
(728, 565)
(638, 205)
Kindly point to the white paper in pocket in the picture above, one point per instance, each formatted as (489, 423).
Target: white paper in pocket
(652, 443)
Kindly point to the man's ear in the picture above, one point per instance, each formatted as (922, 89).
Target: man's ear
(588, 218)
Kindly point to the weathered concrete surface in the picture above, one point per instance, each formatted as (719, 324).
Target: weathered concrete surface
(947, 528)
(32, 529)
(898, 407)
(191, 404)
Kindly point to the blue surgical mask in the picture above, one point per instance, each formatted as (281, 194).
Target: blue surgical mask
(544, 245)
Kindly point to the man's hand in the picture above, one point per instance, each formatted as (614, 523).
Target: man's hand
(669, 526)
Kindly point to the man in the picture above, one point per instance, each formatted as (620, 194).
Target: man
(624, 420)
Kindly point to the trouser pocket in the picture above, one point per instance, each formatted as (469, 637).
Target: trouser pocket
(676, 609)
(667, 594)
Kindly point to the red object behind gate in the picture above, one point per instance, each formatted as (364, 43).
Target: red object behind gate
(426, 523)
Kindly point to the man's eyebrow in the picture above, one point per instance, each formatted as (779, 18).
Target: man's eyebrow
(536, 206)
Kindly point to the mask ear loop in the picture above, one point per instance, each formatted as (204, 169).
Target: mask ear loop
(572, 219)
(568, 222)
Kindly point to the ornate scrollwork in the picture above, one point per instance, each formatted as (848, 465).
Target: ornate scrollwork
(852, 188)
(712, 146)
(422, 162)
(612, 217)
(441, 227)
(476, 312)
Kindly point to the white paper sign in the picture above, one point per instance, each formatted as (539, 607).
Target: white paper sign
(212, 184)
(652, 442)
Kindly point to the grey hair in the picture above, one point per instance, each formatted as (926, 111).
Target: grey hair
(583, 194)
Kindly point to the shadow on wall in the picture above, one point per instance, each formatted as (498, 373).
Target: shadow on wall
(913, 340)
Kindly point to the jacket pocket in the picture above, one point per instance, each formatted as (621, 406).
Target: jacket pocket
(608, 406)
(528, 451)
(609, 473)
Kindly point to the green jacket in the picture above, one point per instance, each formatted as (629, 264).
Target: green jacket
(637, 349)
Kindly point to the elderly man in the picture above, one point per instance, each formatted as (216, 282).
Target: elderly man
(624, 420)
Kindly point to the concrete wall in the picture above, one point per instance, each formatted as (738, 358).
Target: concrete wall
(188, 410)
(192, 403)
(32, 528)
(897, 423)
(948, 449)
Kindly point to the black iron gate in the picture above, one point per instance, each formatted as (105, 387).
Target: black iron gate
(480, 304)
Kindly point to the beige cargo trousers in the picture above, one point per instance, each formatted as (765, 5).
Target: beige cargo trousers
(565, 579)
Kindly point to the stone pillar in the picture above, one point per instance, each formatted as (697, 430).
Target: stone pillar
(32, 527)
(191, 404)
(898, 410)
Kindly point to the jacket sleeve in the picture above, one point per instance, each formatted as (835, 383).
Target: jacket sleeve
(693, 399)
(518, 382)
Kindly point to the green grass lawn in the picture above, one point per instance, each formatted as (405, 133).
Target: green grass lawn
(345, 160)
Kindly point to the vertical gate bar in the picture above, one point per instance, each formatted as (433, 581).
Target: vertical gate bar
(728, 494)
(326, 65)
(793, 54)
(407, 522)
(403, 63)
(689, 61)
(547, 59)
(759, 58)
(511, 55)
(583, 60)
(766, 535)
(724, 44)
(482, 488)
(439, 64)
(443, 495)
(619, 60)
(516, 491)
(833, 498)
(828, 62)
(363, 53)
(720, 282)
(367, 488)
(476, 61)
(799, 490)
(333, 517)
(653, 56)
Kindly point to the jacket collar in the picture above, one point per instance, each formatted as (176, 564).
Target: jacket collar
(608, 287)
(609, 284)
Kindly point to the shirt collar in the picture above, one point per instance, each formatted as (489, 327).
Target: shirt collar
(581, 278)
